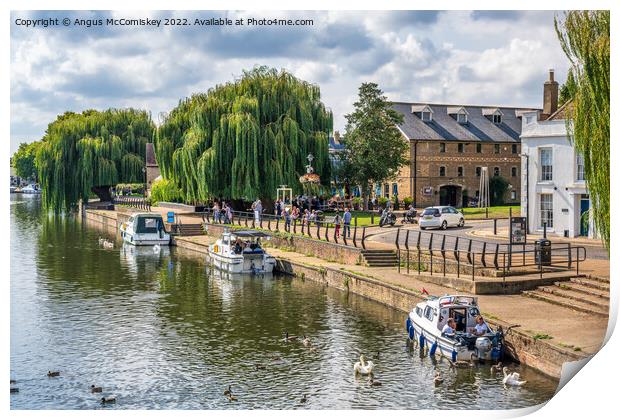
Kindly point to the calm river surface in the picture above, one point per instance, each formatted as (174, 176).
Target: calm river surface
(160, 332)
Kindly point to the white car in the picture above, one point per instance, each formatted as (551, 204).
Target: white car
(441, 217)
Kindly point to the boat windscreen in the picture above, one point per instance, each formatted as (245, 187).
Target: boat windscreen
(149, 225)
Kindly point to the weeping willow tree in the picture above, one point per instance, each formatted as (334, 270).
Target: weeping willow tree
(81, 152)
(243, 139)
(584, 36)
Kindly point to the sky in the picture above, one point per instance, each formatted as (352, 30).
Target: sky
(456, 57)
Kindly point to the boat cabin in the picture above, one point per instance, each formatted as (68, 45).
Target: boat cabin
(463, 309)
(244, 241)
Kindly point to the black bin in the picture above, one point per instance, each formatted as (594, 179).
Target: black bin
(543, 251)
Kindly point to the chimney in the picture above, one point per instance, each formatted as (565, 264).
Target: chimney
(550, 96)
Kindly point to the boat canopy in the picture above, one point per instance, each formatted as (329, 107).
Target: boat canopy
(249, 234)
(457, 300)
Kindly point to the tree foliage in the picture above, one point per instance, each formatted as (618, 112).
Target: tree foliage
(23, 160)
(567, 91)
(243, 139)
(81, 151)
(584, 36)
(374, 148)
(498, 187)
(165, 190)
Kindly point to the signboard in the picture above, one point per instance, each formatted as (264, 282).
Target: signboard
(427, 190)
(518, 230)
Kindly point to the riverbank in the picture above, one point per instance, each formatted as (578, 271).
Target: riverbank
(548, 335)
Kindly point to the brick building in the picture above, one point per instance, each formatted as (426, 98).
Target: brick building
(449, 146)
(152, 168)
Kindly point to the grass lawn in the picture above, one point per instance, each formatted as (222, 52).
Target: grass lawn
(497, 212)
(363, 217)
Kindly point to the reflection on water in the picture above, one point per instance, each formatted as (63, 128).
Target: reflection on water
(159, 330)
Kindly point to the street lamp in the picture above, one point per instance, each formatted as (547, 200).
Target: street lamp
(527, 191)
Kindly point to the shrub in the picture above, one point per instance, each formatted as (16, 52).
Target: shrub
(165, 190)
(407, 201)
(382, 201)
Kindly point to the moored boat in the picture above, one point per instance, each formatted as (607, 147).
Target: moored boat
(241, 252)
(427, 320)
(145, 229)
(31, 189)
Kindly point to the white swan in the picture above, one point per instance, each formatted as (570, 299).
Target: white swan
(108, 244)
(512, 379)
(156, 249)
(362, 367)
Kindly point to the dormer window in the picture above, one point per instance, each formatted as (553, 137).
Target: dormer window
(461, 118)
(497, 119)
(424, 112)
(459, 113)
(426, 116)
(493, 114)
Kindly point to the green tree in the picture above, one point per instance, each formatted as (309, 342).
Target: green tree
(90, 151)
(24, 160)
(567, 91)
(498, 186)
(243, 139)
(584, 36)
(374, 148)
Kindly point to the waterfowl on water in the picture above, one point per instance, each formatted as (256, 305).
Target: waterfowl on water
(463, 363)
(512, 378)
(303, 399)
(374, 382)
(156, 248)
(306, 341)
(362, 367)
(94, 389)
(228, 391)
(438, 379)
(260, 366)
(108, 399)
(13, 381)
(51, 374)
(14, 390)
(289, 337)
(231, 397)
(496, 368)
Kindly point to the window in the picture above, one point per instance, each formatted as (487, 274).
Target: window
(478, 147)
(386, 190)
(497, 119)
(461, 147)
(546, 210)
(496, 171)
(581, 174)
(428, 313)
(418, 311)
(442, 147)
(514, 149)
(394, 189)
(513, 171)
(461, 118)
(442, 171)
(478, 170)
(546, 165)
(513, 195)
(426, 116)
(496, 146)
(459, 171)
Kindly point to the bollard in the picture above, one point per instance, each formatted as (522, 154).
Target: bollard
(494, 226)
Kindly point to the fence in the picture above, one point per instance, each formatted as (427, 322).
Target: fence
(137, 202)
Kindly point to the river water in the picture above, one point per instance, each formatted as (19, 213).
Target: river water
(159, 331)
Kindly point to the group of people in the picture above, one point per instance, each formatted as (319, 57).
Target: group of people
(222, 213)
(481, 327)
(243, 246)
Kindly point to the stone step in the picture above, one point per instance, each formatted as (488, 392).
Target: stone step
(569, 285)
(595, 284)
(601, 302)
(383, 264)
(565, 302)
(598, 278)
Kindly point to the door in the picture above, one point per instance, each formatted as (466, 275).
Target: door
(584, 215)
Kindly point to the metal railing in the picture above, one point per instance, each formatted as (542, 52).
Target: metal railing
(137, 202)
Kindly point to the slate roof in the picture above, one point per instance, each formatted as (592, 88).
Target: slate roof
(150, 155)
(444, 127)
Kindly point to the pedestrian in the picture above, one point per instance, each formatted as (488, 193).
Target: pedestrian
(229, 214)
(287, 219)
(278, 207)
(346, 219)
(257, 206)
(337, 219)
(216, 212)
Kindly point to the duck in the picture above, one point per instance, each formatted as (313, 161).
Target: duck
(14, 389)
(463, 363)
(496, 368)
(260, 366)
(374, 382)
(303, 399)
(95, 389)
(306, 341)
(438, 379)
(288, 338)
(228, 391)
(156, 248)
(108, 399)
(52, 374)
(511, 379)
(362, 367)
(231, 397)
(13, 381)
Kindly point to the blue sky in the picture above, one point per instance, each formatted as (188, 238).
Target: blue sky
(460, 57)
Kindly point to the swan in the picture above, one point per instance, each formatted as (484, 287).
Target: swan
(94, 389)
(496, 368)
(108, 244)
(51, 374)
(511, 379)
(438, 379)
(156, 248)
(108, 399)
(306, 341)
(363, 368)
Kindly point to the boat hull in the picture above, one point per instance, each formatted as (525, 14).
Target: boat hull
(243, 264)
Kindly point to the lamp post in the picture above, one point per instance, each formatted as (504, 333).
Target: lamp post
(527, 191)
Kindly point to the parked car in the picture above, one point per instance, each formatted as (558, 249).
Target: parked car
(441, 217)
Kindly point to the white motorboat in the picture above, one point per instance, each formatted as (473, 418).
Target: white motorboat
(31, 189)
(240, 252)
(145, 229)
(427, 319)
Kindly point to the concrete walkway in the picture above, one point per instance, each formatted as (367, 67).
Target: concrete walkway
(569, 329)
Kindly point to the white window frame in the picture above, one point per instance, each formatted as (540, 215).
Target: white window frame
(426, 116)
(546, 166)
(497, 118)
(546, 209)
(580, 174)
(461, 118)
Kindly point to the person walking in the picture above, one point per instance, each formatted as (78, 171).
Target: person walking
(229, 214)
(337, 220)
(257, 206)
(287, 219)
(346, 219)
(216, 212)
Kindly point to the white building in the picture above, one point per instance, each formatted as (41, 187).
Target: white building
(553, 184)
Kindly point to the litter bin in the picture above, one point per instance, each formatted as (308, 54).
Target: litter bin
(543, 251)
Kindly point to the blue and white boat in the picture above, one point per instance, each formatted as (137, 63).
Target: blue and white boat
(427, 319)
(241, 252)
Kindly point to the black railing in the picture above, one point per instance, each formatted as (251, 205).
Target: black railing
(137, 202)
